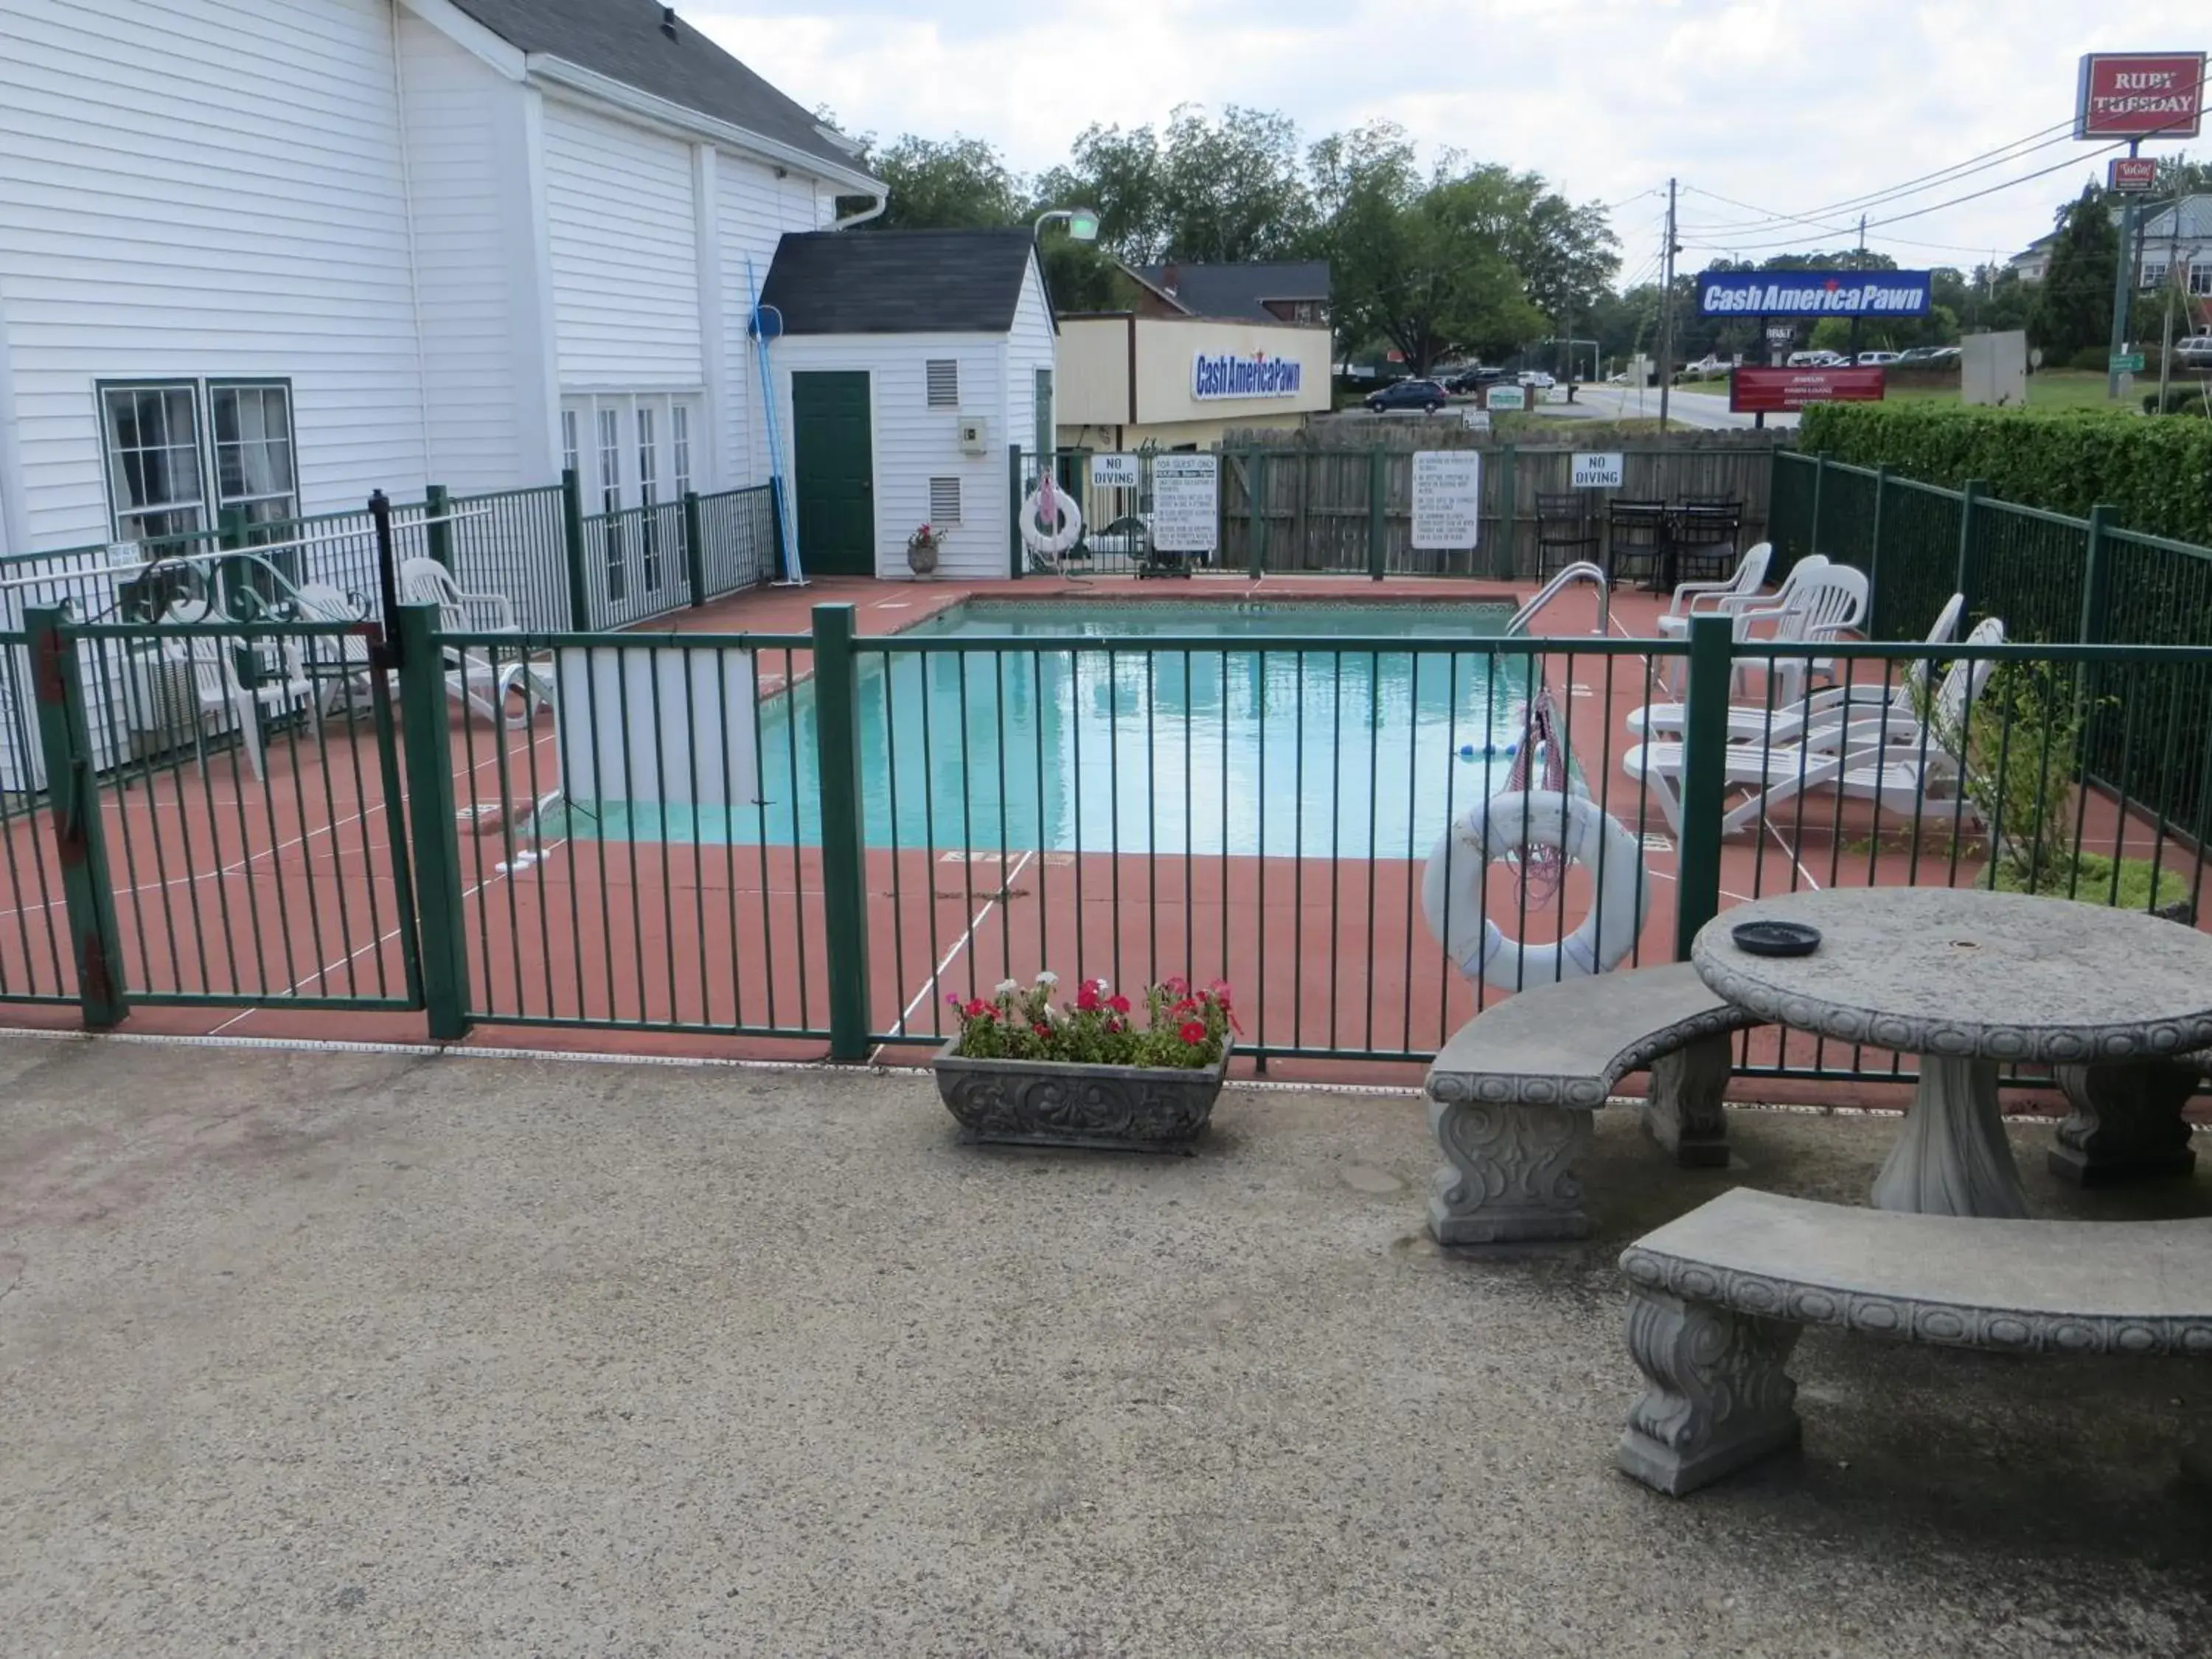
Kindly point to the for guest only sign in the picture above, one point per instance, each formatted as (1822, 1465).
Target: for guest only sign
(2140, 95)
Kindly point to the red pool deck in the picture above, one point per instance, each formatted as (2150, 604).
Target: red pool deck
(292, 893)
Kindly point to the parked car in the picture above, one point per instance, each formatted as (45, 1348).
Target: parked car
(1705, 368)
(1917, 356)
(1473, 380)
(1427, 395)
(2194, 352)
(1877, 359)
(1537, 381)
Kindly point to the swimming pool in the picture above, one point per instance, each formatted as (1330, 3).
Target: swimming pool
(1063, 743)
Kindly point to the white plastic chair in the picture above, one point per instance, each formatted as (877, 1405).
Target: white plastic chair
(1788, 722)
(219, 691)
(1910, 766)
(1713, 599)
(338, 664)
(483, 682)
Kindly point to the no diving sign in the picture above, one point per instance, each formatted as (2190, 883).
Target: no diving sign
(1597, 472)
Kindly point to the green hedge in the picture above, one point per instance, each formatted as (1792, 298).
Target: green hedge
(2158, 473)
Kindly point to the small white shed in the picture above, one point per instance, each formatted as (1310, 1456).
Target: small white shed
(909, 364)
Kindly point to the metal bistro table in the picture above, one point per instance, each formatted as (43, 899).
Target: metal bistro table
(1968, 980)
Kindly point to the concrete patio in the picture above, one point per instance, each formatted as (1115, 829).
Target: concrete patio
(354, 1352)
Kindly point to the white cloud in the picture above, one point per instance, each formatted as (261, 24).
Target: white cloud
(1771, 102)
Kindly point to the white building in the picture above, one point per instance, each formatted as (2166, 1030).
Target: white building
(2176, 243)
(274, 254)
(910, 363)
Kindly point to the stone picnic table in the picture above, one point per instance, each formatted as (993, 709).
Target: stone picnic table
(1970, 981)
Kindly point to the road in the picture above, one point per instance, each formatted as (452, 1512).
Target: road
(1697, 408)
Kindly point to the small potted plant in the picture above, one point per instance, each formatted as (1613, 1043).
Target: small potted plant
(921, 549)
(1098, 1070)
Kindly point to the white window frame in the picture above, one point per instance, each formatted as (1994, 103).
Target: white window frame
(2200, 276)
(204, 506)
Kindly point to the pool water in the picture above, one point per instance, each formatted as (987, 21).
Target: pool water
(1062, 745)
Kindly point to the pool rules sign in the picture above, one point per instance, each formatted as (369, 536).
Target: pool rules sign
(1185, 503)
(1447, 498)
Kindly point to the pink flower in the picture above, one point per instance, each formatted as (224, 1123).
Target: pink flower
(1193, 1031)
(1220, 992)
(1187, 1005)
(1176, 986)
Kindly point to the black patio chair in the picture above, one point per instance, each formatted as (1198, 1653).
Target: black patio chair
(1564, 531)
(1703, 536)
(1636, 535)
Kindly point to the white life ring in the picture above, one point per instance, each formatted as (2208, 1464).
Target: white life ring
(1067, 530)
(1451, 888)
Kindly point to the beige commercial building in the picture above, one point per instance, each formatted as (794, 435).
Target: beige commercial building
(1180, 382)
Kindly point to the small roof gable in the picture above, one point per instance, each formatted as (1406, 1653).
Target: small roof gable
(1237, 290)
(625, 41)
(2190, 220)
(898, 282)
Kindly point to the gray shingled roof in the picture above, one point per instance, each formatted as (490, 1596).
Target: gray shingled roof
(897, 282)
(1236, 290)
(624, 40)
(2194, 214)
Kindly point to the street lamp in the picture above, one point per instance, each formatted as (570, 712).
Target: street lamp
(1082, 223)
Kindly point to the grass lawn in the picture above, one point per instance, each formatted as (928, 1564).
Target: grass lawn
(2053, 391)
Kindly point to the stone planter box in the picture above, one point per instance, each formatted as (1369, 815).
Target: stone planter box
(1040, 1103)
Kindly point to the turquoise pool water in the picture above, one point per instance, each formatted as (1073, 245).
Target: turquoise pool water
(1062, 746)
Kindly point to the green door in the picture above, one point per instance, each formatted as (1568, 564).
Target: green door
(836, 473)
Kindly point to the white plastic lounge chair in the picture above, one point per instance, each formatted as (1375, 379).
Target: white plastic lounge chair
(1787, 722)
(219, 691)
(1914, 773)
(1739, 592)
(484, 681)
(339, 665)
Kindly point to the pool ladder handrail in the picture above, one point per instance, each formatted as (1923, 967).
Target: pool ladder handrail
(1582, 570)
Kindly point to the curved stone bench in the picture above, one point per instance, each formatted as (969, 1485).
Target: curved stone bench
(2125, 1121)
(1510, 1095)
(1718, 1298)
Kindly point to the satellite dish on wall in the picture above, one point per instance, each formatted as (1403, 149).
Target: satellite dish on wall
(767, 323)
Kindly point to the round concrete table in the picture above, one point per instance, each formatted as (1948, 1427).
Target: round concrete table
(1968, 980)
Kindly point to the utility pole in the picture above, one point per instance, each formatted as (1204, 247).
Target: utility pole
(1852, 345)
(2165, 347)
(2123, 286)
(1667, 313)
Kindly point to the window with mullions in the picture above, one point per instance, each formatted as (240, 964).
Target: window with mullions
(611, 503)
(253, 469)
(155, 482)
(2200, 278)
(648, 486)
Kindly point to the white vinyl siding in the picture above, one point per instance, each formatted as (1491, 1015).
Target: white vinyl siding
(754, 208)
(944, 374)
(625, 268)
(913, 445)
(1029, 348)
(944, 502)
(470, 214)
(205, 192)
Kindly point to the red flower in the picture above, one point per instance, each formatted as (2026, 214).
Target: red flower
(1120, 1005)
(1087, 997)
(1041, 1028)
(1193, 1031)
(1187, 1005)
(980, 1009)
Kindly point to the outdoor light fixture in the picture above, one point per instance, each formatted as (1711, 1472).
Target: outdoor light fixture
(1082, 223)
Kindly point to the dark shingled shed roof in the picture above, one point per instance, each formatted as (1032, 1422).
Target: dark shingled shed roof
(898, 282)
(624, 40)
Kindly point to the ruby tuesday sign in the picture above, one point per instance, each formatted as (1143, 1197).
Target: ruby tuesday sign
(1813, 294)
(2140, 95)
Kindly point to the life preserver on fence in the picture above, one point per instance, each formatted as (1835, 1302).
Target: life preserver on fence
(1067, 524)
(1452, 888)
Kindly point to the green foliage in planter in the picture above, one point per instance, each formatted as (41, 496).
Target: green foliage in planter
(2158, 473)
(2089, 881)
(1183, 1026)
(2023, 751)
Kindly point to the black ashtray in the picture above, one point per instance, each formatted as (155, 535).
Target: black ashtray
(1776, 939)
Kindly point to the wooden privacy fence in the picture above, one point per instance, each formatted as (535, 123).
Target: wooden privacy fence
(1325, 508)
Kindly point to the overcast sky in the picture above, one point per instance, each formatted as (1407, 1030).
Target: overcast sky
(1786, 106)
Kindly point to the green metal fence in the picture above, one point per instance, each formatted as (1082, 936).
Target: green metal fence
(820, 838)
(2047, 576)
(512, 542)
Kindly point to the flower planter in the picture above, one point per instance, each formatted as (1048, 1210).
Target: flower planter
(1047, 1102)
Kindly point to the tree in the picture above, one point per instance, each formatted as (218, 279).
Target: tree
(947, 183)
(2073, 308)
(1418, 261)
(1203, 190)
